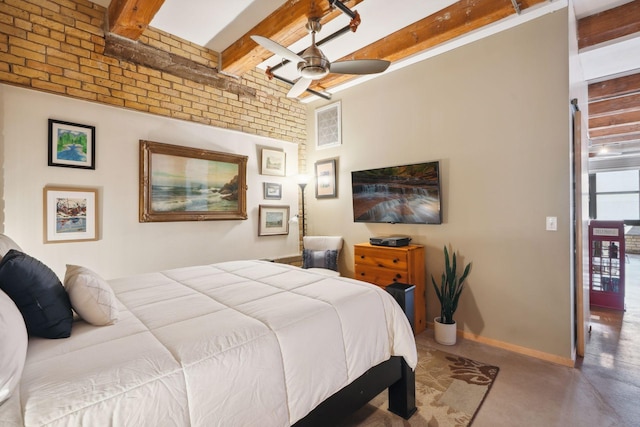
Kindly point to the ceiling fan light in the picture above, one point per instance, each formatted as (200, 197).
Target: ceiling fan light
(312, 72)
(315, 65)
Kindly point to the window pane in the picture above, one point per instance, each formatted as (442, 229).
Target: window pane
(618, 206)
(617, 181)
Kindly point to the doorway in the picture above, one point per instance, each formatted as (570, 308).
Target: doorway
(614, 195)
(611, 361)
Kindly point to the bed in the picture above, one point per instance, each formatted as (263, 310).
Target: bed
(240, 343)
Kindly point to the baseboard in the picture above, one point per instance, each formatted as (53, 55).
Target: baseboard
(515, 348)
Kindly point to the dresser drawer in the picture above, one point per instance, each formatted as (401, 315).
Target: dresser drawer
(380, 276)
(382, 258)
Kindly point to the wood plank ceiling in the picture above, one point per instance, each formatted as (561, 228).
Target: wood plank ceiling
(614, 105)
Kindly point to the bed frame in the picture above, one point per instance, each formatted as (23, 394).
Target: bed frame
(393, 374)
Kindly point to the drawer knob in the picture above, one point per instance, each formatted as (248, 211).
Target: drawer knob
(395, 260)
(399, 276)
(361, 256)
(362, 274)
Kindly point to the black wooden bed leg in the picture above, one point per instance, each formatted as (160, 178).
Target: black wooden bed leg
(402, 393)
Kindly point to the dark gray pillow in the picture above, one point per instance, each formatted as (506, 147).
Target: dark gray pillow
(320, 259)
(38, 294)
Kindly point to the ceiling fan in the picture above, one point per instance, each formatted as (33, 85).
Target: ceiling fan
(314, 65)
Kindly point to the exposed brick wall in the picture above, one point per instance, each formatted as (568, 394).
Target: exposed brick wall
(57, 46)
(632, 244)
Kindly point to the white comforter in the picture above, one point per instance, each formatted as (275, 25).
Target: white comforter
(245, 343)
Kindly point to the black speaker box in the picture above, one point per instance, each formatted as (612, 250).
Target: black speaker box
(403, 294)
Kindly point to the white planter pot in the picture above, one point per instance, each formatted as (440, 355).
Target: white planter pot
(444, 334)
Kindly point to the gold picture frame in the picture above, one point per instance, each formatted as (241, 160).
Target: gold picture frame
(189, 184)
(70, 214)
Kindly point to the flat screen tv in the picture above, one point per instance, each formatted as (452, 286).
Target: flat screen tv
(408, 194)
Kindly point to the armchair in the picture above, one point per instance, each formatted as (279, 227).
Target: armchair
(320, 253)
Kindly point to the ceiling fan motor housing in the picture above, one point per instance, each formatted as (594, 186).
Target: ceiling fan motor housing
(315, 65)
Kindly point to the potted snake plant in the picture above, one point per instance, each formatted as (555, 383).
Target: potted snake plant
(448, 294)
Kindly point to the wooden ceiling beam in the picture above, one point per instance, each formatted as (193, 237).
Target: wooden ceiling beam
(609, 122)
(285, 26)
(614, 87)
(608, 25)
(614, 130)
(615, 105)
(129, 18)
(447, 24)
(616, 139)
(148, 56)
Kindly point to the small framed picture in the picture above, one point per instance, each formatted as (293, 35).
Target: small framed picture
(326, 179)
(328, 126)
(272, 191)
(273, 162)
(72, 145)
(70, 214)
(274, 220)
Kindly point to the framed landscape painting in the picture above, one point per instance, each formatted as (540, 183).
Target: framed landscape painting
(273, 162)
(72, 145)
(70, 214)
(273, 220)
(272, 190)
(190, 184)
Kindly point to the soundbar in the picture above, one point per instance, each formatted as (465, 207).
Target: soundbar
(390, 241)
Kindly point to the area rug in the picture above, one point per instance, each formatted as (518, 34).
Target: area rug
(449, 391)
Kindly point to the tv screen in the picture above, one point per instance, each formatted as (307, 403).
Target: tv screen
(408, 194)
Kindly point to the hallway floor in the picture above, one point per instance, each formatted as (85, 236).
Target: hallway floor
(603, 390)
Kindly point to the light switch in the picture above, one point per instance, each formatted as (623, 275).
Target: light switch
(552, 223)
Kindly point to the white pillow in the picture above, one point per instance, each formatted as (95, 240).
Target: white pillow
(13, 342)
(91, 296)
(6, 244)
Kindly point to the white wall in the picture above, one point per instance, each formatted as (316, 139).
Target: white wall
(495, 113)
(127, 246)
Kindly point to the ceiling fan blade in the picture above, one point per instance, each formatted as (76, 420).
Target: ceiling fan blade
(277, 48)
(301, 85)
(360, 66)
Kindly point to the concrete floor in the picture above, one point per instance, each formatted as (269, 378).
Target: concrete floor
(603, 389)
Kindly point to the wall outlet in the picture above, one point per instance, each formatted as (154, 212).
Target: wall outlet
(552, 223)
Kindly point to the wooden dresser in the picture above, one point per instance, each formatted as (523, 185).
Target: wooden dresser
(384, 265)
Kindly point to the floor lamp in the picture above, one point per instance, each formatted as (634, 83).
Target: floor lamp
(302, 182)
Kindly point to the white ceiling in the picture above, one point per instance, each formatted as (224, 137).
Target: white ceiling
(217, 23)
(591, 7)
